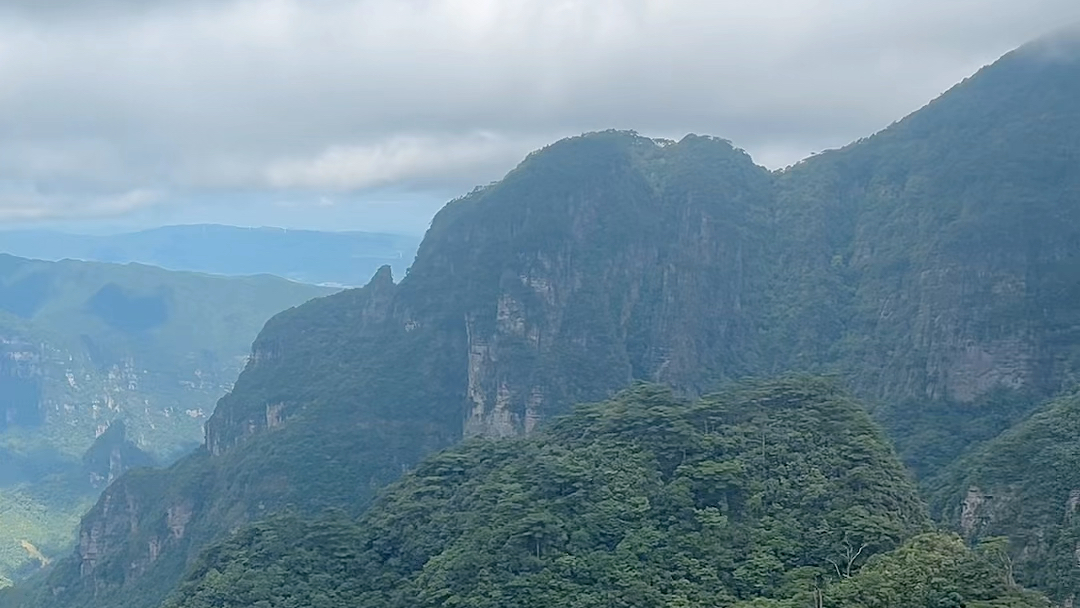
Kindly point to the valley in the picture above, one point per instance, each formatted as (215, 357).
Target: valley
(101, 372)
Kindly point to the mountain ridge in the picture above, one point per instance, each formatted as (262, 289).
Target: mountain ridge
(341, 258)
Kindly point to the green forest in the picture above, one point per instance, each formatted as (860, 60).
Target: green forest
(778, 493)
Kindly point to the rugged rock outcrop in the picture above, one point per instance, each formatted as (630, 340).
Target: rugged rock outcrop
(112, 455)
(1025, 486)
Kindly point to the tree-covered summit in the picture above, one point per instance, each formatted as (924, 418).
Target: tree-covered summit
(775, 493)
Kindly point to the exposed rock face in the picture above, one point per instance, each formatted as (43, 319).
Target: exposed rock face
(231, 424)
(119, 517)
(112, 455)
(645, 280)
(1023, 485)
(970, 511)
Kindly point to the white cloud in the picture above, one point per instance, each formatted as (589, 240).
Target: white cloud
(211, 96)
(401, 158)
(21, 202)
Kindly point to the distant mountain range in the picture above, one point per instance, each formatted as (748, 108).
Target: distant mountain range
(334, 258)
(104, 367)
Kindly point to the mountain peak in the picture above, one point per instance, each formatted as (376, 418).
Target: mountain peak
(1060, 46)
(382, 277)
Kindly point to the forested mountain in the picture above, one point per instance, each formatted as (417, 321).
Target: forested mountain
(932, 266)
(940, 258)
(781, 490)
(1024, 485)
(106, 367)
(308, 256)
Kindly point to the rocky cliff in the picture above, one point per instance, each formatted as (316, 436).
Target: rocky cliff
(938, 262)
(598, 260)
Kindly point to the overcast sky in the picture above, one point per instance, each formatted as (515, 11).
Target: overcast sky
(368, 114)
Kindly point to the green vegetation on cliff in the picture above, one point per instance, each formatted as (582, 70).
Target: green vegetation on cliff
(94, 355)
(937, 261)
(781, 491)
(1024, 485)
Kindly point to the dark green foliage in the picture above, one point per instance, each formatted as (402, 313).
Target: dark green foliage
(645, 500)
(762, 494)
(84, 344)
(347, 431)
(933, 265)
(932, 434)
(933, 571)
(1024, 485)
(937, 261)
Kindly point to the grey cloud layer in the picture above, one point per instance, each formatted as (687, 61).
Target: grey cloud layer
(113, 99)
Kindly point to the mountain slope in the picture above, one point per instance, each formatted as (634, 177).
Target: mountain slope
(339, 258)
(359, 386)
(557, 285)
(781, 490)
(94, 354)
(85, 341)
(952, 242)
(1025, 485)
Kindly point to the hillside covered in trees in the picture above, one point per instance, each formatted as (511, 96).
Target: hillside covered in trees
(768, 494)
(107, 367)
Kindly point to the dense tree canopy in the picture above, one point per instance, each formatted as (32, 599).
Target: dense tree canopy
(778, 491)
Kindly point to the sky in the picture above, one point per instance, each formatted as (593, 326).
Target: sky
(370, 114)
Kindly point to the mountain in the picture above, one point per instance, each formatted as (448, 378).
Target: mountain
(932, 266)
(103, 368)
(343, 394)
(1024, 485)
(112, 455)
(950, 244)
(337, 258)
(783, 490)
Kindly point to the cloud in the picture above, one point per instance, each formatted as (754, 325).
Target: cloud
(401, 158)
(209, 97)
(21, 202)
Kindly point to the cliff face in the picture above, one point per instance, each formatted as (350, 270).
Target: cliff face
(1024, 485)
(112, 455)
(636, 266)
(934, 264)
(967, 234)
(938, 262)
(521, 303)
